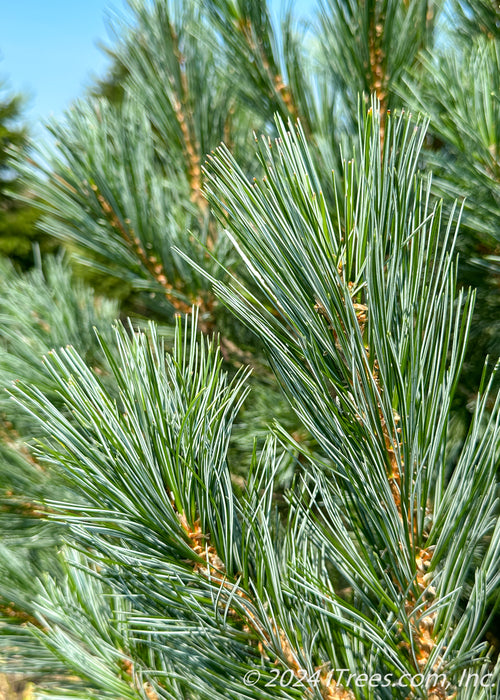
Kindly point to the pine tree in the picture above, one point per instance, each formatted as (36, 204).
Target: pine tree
(18, 232)
(249, 479)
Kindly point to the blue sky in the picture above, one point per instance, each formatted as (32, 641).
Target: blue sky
(49, 50)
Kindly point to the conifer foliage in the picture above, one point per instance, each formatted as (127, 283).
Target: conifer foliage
(157, 542)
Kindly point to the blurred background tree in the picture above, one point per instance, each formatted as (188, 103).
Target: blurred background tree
(18, 219)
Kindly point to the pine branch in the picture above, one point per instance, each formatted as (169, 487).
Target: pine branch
(184, 118)
(40, 310)
(382, 391)
(191, 527)
(252, 45)
(467, 123)
(480, 16)
(379, 41)
(120, 202)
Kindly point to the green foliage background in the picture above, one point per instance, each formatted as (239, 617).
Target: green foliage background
(18, 232)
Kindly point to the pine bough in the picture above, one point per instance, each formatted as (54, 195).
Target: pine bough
(379, 576)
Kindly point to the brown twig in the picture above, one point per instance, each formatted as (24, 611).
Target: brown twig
(378, 76)
(10, 610)
(276, 643)
(281, 89)
(154, 267)
(185, 121)
(421, 621)
(127, 666)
